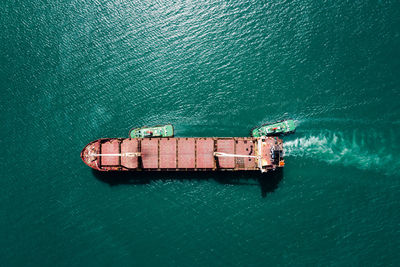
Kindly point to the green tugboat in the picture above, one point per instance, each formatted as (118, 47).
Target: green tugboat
(273, 129)
(155, 131)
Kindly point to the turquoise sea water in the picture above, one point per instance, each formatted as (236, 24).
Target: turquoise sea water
(75, 71)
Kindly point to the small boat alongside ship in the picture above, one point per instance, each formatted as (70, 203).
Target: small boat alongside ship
(282, 127)
(155, 131)
(155, 149)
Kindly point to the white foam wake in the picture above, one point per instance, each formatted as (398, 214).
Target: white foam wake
(364, 151)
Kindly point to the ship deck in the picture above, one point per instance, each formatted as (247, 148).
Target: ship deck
(179, 154)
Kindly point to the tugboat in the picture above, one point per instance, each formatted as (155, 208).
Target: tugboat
(273, 129)
(155, 131)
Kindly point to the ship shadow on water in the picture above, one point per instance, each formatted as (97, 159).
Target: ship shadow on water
(268, 182)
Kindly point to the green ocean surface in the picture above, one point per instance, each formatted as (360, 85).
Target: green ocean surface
(75, 71)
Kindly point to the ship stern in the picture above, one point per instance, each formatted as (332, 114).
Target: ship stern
(270, 150)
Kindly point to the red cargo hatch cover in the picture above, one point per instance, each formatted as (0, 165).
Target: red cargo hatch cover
(226, 146)
(205, 153)
(186, 155)
(149, 149)
(129, 146)
(110, 147)
(168, 153)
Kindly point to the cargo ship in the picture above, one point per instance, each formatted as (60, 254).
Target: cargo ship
(185, 154)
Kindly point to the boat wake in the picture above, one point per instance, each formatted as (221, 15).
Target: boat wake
(370, 151)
